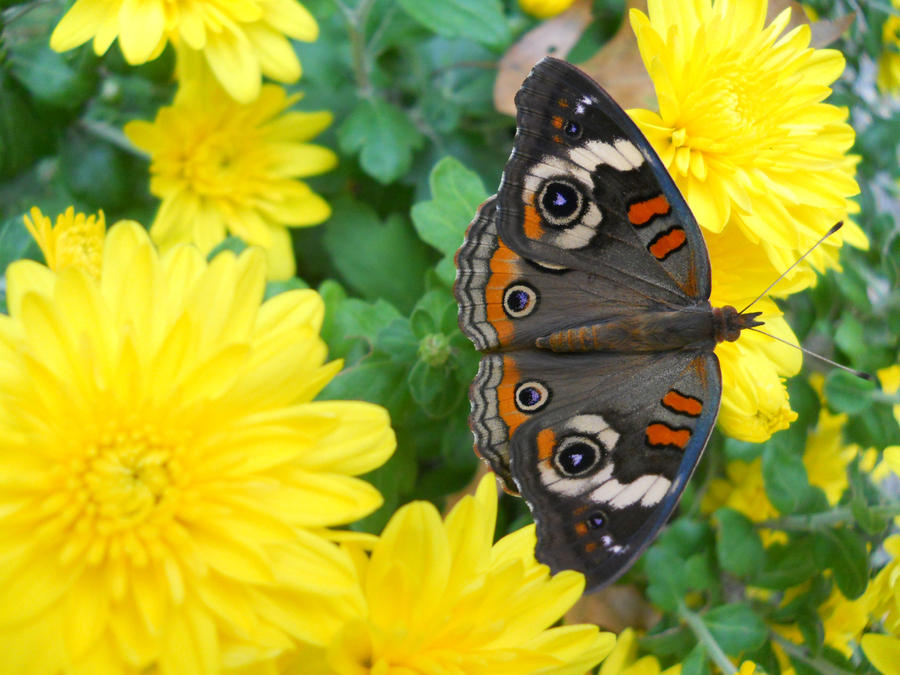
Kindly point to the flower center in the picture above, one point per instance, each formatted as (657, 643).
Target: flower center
(128, 475)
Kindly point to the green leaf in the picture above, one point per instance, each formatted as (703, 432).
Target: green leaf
(430, 312)
(231, 243)
(788, 564)
(59, 80)
(786, 482)
(398, 342)
(274, 288)
(16, 242)
(666, 580)
(384, 137)
(848, 393)
(848, 559)
(456, 193)
(377, 259)
(736, 628)
(478, 20)
(25, 135)
(695, 663)
(429, 388)
(100, 174)
(738, 546)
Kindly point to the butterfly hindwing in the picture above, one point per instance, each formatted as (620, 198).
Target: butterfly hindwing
(603, 459)
(583, 186)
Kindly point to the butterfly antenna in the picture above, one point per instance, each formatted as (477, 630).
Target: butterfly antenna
(793, 265)
(859, 373)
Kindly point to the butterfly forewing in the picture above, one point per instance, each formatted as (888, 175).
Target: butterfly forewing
(582, 181)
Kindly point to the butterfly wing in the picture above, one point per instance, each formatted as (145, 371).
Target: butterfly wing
(601, 447)
(507, 301)
(584, 189)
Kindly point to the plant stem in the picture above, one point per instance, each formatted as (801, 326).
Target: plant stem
(356, 20)
(704, 637)
(817, 521)
(111, 135)
(819, 665)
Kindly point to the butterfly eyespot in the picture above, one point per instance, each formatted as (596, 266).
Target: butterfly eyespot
(561, 202)
(572, 129)
(576, 456)
(531, 396)
(596, 520)
(519, 300)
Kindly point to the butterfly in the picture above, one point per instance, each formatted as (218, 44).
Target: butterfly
(585, 282)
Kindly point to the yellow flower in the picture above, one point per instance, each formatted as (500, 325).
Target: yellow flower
(222, 166)
(743, 490)
(883, 652)
(888, 79)
(439, 598)
(825, 458)
(544, 9)
(165, 479)
(883, 592)
(843, 621)
(623, 660)
(75, 240)
(763, 165)
(241, 41)
(890, 382)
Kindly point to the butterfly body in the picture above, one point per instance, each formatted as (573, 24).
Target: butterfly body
(585, 282)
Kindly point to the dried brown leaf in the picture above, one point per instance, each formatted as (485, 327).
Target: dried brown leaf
(553, 37)
(619, 69)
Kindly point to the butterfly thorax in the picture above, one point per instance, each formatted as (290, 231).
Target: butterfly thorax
(696, 327)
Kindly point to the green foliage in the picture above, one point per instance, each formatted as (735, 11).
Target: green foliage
(410, 83)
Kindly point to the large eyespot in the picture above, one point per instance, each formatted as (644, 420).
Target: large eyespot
(576, 456)
(531, 396)
(572, 129)
(561, 202)
(519, 300)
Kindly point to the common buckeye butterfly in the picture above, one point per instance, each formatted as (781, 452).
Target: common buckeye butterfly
(585, 281)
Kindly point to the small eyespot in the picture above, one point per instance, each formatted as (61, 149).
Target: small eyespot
(596, 520)
(519, 300)
(572, 129)
(531, 396)
(560, 202)
(577, 455)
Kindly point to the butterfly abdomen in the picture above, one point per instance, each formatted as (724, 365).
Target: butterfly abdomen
(653, 331)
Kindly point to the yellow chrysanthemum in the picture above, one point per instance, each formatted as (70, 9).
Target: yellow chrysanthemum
(825, 457)
(220, 166)
(883, 592)
(165, 478)
(74, 240)
(440, 598)
(888, 79)
(623, 660)
(883, 652)
(843, 621)
(544, 9)
(241, 41)
(744, 490)
(763, 165)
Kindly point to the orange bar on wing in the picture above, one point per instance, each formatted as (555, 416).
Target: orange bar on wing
(662, 435)
(678, 402)
(546, 441)
(506, 393)
(533, 227)
(640, 213)
(668, 243)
